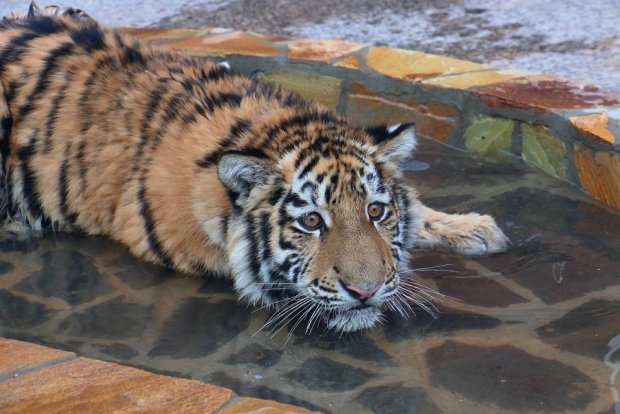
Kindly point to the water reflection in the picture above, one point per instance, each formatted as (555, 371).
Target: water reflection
(533, 330)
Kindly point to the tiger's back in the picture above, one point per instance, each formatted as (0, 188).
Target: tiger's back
(110, 136)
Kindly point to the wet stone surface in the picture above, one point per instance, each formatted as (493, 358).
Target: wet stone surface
(509, 377)
(396, 398)
(535, 329)
(83, 282)
(129, 320)
(324, 374)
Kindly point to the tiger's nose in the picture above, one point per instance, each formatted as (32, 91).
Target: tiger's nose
(361, 293)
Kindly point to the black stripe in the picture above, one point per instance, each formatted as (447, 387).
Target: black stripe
(149, 226)
(63, 188)
(265, 234)
(49, 66)
(216, 72)
(309, 166)
(15, 48)
(85, 96)
(31, 196)
(295, 200)
(300, 120)
(213, 102)
(254, 250)
(52, 115)
(151, 108)
(238, 128)
(88, 36)
(6, 124)
(276, 196)
(380, 133)
(79, 160)
(19, 44)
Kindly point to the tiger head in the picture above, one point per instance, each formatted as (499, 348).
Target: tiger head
(320, 230)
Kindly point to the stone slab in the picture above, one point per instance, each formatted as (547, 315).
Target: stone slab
(416, 66)
(544, 151)
(258, 406)
(545, 92)
(85, 385)
(19, 356)
(490, 136)
(599, 173)
(241, 43)
(322, 89)
(596, 125)
(322, 50)
(474, 79)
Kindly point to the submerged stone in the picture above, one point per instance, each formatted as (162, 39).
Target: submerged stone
(17, 313)
(70, 276)
(114, 319)
(544, 151)
(199, 327)
(254, 354)
(117, 351)
(585, 330)
(397, 398)
(6, 267)
(489, 136)
(320, 373)
(509, 378)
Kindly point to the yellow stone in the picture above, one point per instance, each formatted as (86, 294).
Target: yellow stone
(473, 79)
(413, 65)
(322, 89)
(595, 125)
(351, 62)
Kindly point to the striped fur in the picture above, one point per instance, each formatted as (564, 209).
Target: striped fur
(200, 169)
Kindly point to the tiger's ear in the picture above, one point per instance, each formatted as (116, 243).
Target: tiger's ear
(240, 171)
(395, 143)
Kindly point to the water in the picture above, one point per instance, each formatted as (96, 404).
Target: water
(535, 329)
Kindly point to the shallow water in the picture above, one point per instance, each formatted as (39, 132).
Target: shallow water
(536, 329)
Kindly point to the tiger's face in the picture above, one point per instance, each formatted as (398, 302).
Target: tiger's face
(321, 234)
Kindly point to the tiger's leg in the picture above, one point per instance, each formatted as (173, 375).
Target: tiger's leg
(468, 234)
(5, 127)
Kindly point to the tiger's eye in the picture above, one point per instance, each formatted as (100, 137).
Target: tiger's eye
(375, 211)
(312, 221)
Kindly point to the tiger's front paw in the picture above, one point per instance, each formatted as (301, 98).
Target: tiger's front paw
(482, 236)
(467, 234)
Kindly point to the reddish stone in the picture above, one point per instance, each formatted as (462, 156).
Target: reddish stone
(599, 173)
(18, 355)
(258, 406)
(163, 35)
(543, 92)
(321, 50)
(84, 385)
(227, 43)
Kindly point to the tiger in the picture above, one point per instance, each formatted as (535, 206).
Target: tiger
(203, 170)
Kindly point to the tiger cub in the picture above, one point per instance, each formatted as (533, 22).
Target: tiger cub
(206, 171)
